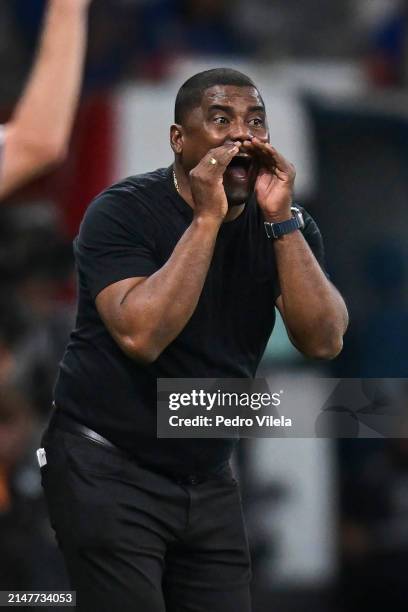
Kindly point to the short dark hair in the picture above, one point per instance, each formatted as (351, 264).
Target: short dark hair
(191, 93)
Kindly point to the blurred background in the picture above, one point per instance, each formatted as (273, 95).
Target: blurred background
(327, 519)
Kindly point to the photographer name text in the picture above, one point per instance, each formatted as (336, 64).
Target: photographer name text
(221, 421)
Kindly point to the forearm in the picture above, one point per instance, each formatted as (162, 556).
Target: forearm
(314, 311)
(155, 311)
(37, 135)
(47, 107)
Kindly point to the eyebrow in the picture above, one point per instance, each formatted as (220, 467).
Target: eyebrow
(229, 109)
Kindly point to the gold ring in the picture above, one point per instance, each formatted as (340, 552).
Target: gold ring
(213, 161)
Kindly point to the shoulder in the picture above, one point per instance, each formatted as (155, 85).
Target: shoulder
(125, 210)
(138, 188)
(141, 184)
(311, 229)
(312, 235)
(131, 198)
(307, 217)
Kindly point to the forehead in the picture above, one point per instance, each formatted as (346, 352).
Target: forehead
(231, 95)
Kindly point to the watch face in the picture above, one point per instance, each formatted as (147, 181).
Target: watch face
(298, 215)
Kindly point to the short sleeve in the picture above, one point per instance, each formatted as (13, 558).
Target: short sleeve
(115, 242)
(314, 238)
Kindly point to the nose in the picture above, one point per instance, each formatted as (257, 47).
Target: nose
(240, 130)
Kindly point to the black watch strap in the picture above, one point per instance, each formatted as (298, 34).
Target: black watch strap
(276, 230)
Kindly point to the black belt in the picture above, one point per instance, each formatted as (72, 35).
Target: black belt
(66, 423)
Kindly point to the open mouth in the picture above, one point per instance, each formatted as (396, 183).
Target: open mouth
(240, 167)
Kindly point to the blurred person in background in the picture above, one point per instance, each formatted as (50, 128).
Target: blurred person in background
(375, 526)
(378, 340)
(11, 332)
(28, 557)
(171, 29)
(37, 135)
(178, 277)
(36, 272)
(386, 52)
(289, 28)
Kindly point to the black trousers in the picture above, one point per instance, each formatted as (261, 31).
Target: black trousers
(136, 540)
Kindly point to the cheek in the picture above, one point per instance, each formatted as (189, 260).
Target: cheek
(208, 137)
(198, 142)
(194, 152)
(217, 137)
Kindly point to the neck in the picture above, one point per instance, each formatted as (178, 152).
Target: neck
(182, 186)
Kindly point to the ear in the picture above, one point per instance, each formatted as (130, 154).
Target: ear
(176, 138)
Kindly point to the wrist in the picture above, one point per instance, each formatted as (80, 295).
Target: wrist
(278, 216)
(277, 229)
(207, 222)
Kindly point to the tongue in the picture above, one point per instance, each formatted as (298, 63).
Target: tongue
(238, 172)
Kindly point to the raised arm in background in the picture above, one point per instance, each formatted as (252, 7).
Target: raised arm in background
(37, 135)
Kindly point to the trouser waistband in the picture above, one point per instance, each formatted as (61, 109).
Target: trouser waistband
(66, 423)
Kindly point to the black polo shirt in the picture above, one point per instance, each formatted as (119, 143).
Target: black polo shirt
(131, 230)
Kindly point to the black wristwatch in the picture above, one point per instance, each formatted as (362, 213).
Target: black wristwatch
(276, 230)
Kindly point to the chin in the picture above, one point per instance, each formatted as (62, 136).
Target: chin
(239, 193)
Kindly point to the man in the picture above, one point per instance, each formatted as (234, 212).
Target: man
(37, 135)
(177, 278)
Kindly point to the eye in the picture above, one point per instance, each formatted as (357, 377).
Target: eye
(220, 120)
(257, 122)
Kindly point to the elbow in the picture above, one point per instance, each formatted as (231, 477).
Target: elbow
(140, 349)
(40, 158)
(38, 151)
(326, 351)
(49, 155)
(324, 341)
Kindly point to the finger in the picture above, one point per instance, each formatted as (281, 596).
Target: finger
(262, 147)
(260, 150)
(218, 159)
(258, 154)
(279, 161)
(248, 146)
